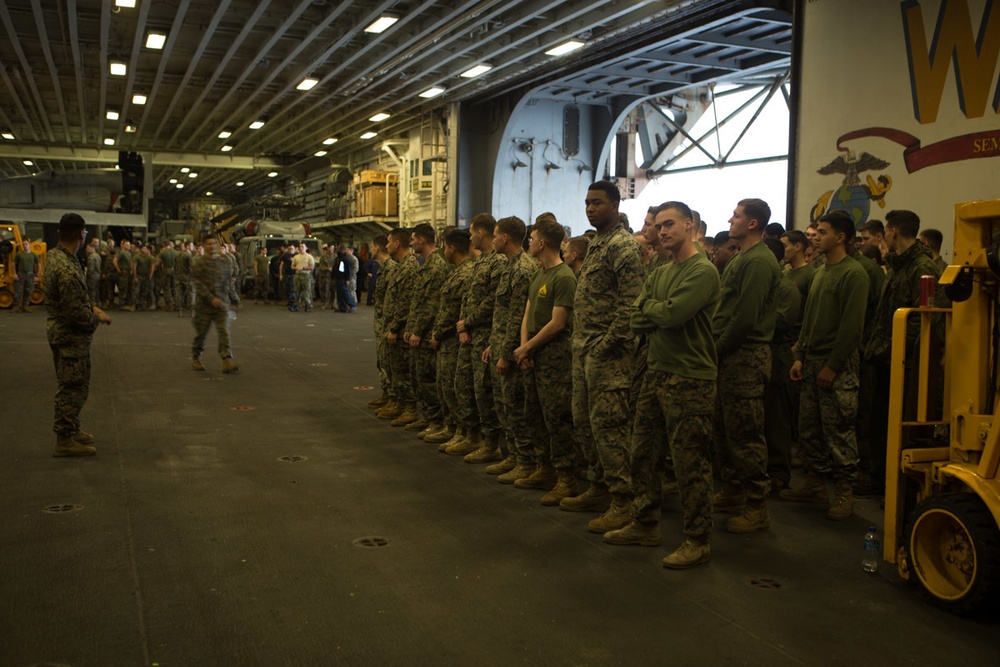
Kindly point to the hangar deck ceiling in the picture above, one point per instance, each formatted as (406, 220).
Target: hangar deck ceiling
(225, 64)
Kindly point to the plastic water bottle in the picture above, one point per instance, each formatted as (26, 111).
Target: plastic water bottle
(870, 554)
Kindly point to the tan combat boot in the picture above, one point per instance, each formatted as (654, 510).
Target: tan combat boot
(458, 436)
(444, 433)
(408, 416)
(519, 471)
(730, 499)
(754, 518)
(390, 410)
(542, 478)
(488, 452)
(470, 443)
(618, 516)
(596, 498)
(83, 438)
(694, 551)
(417, 426)
(67, 446)
(644, 535)
(196, 364)
(842, 506)
(377, 403)
(813, 491)
(503, 466)
(229, 366)
(432, 427)
(565, 487)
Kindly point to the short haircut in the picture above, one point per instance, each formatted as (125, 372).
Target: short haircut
(381, 241)
(608, 188)
(623, 220)
(342, 248)
(933, 238)
(906, 223)
(873, 253)
(707, 242)
(722, 238)
(841, 222)
(483, 221)
(775, 229)
(401, 234)
(652, 209)
(512, 227)
(69, 226)
(875, 226)
(549, 231)
(678, 206)
(459, 239)
(757, 209)
(546, 216)
(775, 246)
(795, 237)
(425, 231)
(579, 245)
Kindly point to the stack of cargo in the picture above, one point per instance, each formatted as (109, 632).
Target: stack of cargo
(377, 193)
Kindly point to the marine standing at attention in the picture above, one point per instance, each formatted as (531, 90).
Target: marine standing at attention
(73, 318)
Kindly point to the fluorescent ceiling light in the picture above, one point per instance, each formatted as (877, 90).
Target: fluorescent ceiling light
(118, 69)
(27, 163)
(319, 153)
(155, 40)
(111, 115)
(193, 174)
(379, 117)
(179, 186)
(226, 148)
(239, 184)
(209, 193)
(272, 174)
(369, 135)
(8, 136)
(173, 180)
(130, 129)
(330, 141)
(109, 141)
(185, 170)
(381, 24)
(139, 99)
(256, 125)
(128, 4)
(432, 92)
(473, 72)
(565, 47)
(225, 134)
(307, 84)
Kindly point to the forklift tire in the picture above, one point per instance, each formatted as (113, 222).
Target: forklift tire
(954, 552)
(37, 297)
(6, 298)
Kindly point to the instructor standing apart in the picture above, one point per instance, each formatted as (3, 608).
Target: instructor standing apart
(210, 275)
(70, 327)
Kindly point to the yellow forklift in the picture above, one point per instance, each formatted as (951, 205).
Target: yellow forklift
(942, 502)
(10, 244)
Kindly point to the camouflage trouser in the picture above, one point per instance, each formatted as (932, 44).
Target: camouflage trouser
(778, 414)
(72, 364)
(204, 317)
(261, 287)
(640, 363)
(484, 380)
(108, 282)
(304, 289)
(399, 370)
(144, 292)
(673, 419)
(382, 359)
(23, 287)
(601, 417)
(324, 285)
(167, 285)
(826, 421)
(423, 369)
(126, 289)
(447, 361)
(184, 296)
(739, 419)
(510, 408)
(234, 291)
(94, 288)
(548, 404)
(467, 414)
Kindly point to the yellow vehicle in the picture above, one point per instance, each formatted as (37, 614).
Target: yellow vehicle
(10, 244)
(942, 503)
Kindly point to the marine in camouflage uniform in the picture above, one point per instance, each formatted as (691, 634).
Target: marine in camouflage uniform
(126, 276)
(210, 274)
(505, 337)
(235, 280)
(424, 298)
(94, 274)
(379, 319)
(72, 320)
(324, 278)
(144, 282)
(608, 283)
(455, 413)
(261, 279)
(166, 263)
(26, 264)
(108, 273)
(399, 288)
(184, 295)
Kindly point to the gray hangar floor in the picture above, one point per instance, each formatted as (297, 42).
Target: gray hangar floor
(190, 542)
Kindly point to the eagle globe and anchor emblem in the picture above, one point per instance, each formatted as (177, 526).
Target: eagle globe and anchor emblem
(853, 196)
